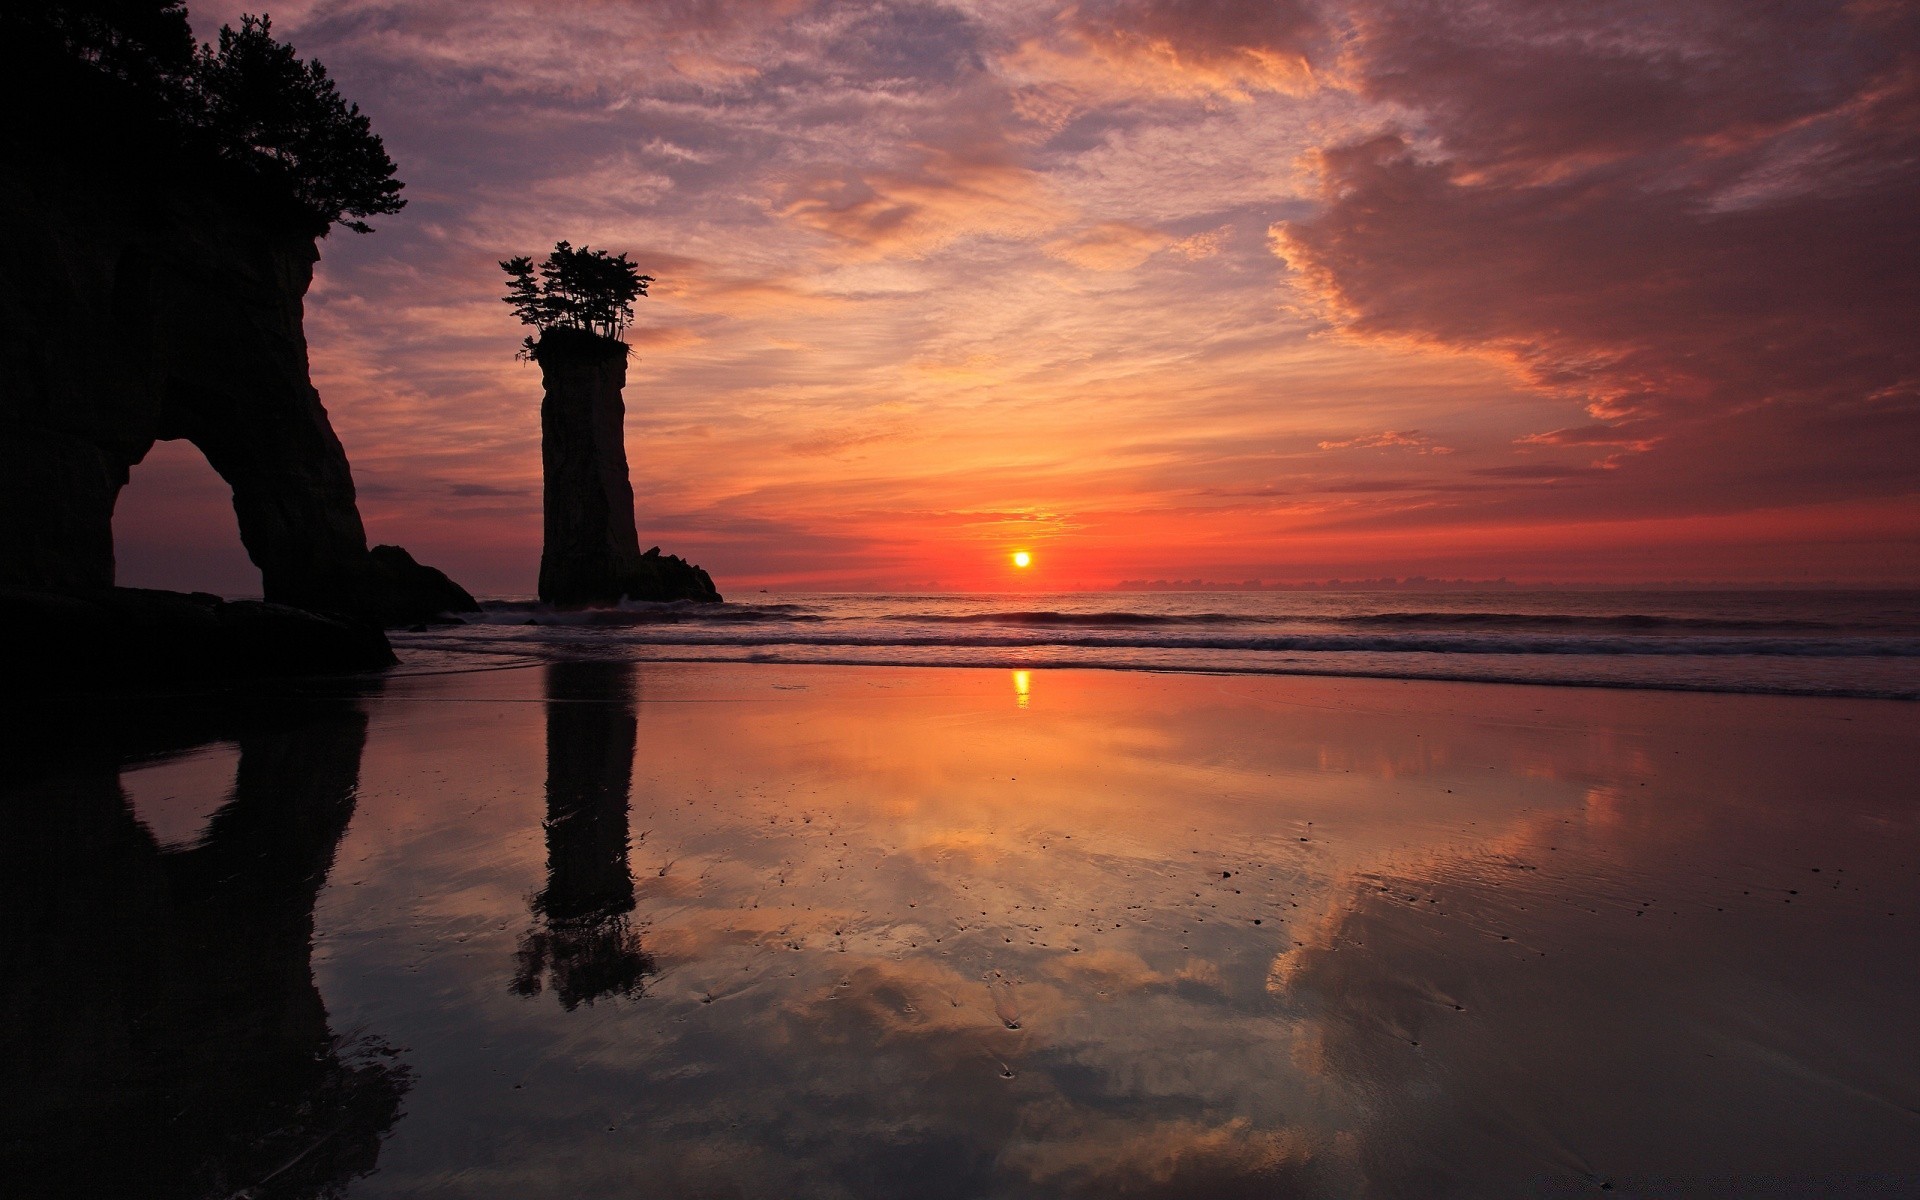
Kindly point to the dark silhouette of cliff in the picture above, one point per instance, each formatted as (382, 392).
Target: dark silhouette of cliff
(583, 944)
(160, 237)
(163, 1033)
(580, 301)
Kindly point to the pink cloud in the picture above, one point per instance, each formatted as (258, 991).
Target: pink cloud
(1410, 439)
(970, 185)
(1695, 217)
(1179, 47)
(1109, 246)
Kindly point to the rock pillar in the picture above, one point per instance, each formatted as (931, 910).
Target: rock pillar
(592, 554)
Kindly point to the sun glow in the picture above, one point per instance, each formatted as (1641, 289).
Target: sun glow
(1022, 559)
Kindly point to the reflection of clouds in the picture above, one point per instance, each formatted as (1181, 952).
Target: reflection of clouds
(892, 936)
(1502, 1003)
(848, 893)
(1175, 1158)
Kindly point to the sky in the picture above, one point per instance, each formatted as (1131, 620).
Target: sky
(1612, 291)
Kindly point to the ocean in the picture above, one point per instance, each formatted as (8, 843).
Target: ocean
(1822, 643)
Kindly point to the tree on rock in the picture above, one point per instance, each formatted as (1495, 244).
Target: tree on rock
(580, 302)
(284, 120)
(250, 115)
(589, 293)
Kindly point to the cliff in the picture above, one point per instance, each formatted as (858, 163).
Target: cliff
(592, 552)
(150, 297)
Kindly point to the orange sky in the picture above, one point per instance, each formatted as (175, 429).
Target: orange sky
(1229, 290)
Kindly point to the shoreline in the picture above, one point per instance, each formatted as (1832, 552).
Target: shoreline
(1865, 647)
(1030, 664)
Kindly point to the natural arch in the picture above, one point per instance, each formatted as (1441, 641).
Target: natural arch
(174, 527)
(174, 316)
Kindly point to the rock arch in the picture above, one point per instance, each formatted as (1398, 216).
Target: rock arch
(174, 527)
(143, 311)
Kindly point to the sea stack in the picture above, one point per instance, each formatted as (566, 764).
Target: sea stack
(592, 552)
(580, 303)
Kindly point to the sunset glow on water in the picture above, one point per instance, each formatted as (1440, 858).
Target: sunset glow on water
(819, 931)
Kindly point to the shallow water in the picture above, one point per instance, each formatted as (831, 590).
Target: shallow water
(1817, 643)
(607, 929)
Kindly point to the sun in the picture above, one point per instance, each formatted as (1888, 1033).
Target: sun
(1022, 559)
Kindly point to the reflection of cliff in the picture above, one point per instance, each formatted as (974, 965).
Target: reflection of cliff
(583, 942)
(163, 1033)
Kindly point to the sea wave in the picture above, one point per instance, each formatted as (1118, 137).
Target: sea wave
(1430, 643)
(731, 615)
(528, 612)
(1635, 622)
(1888, 679)
(1801, 644)
(1621, 621)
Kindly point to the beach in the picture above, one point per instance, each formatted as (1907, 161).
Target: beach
(604, 927)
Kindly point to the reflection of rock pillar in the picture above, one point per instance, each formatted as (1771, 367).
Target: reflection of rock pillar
(592, 553)
(591, 729)
(581, 934)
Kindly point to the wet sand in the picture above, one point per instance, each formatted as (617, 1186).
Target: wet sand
(596, 929)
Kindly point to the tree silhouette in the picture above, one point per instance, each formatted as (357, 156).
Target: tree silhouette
(144, 43)
(284, 119)
(270, 119)
(585, 292)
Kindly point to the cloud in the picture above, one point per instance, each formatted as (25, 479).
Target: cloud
(1693, 218)
(1111, 246)
(831, 442)
(1628, 434)
(1178, 47)
(1538, 471)
(972, 185)
(1411, 439)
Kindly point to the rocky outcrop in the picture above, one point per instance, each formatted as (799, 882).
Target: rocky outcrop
(592, 552)
(120, 636)
(670, 577)
(403, 590)
(142, 303)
